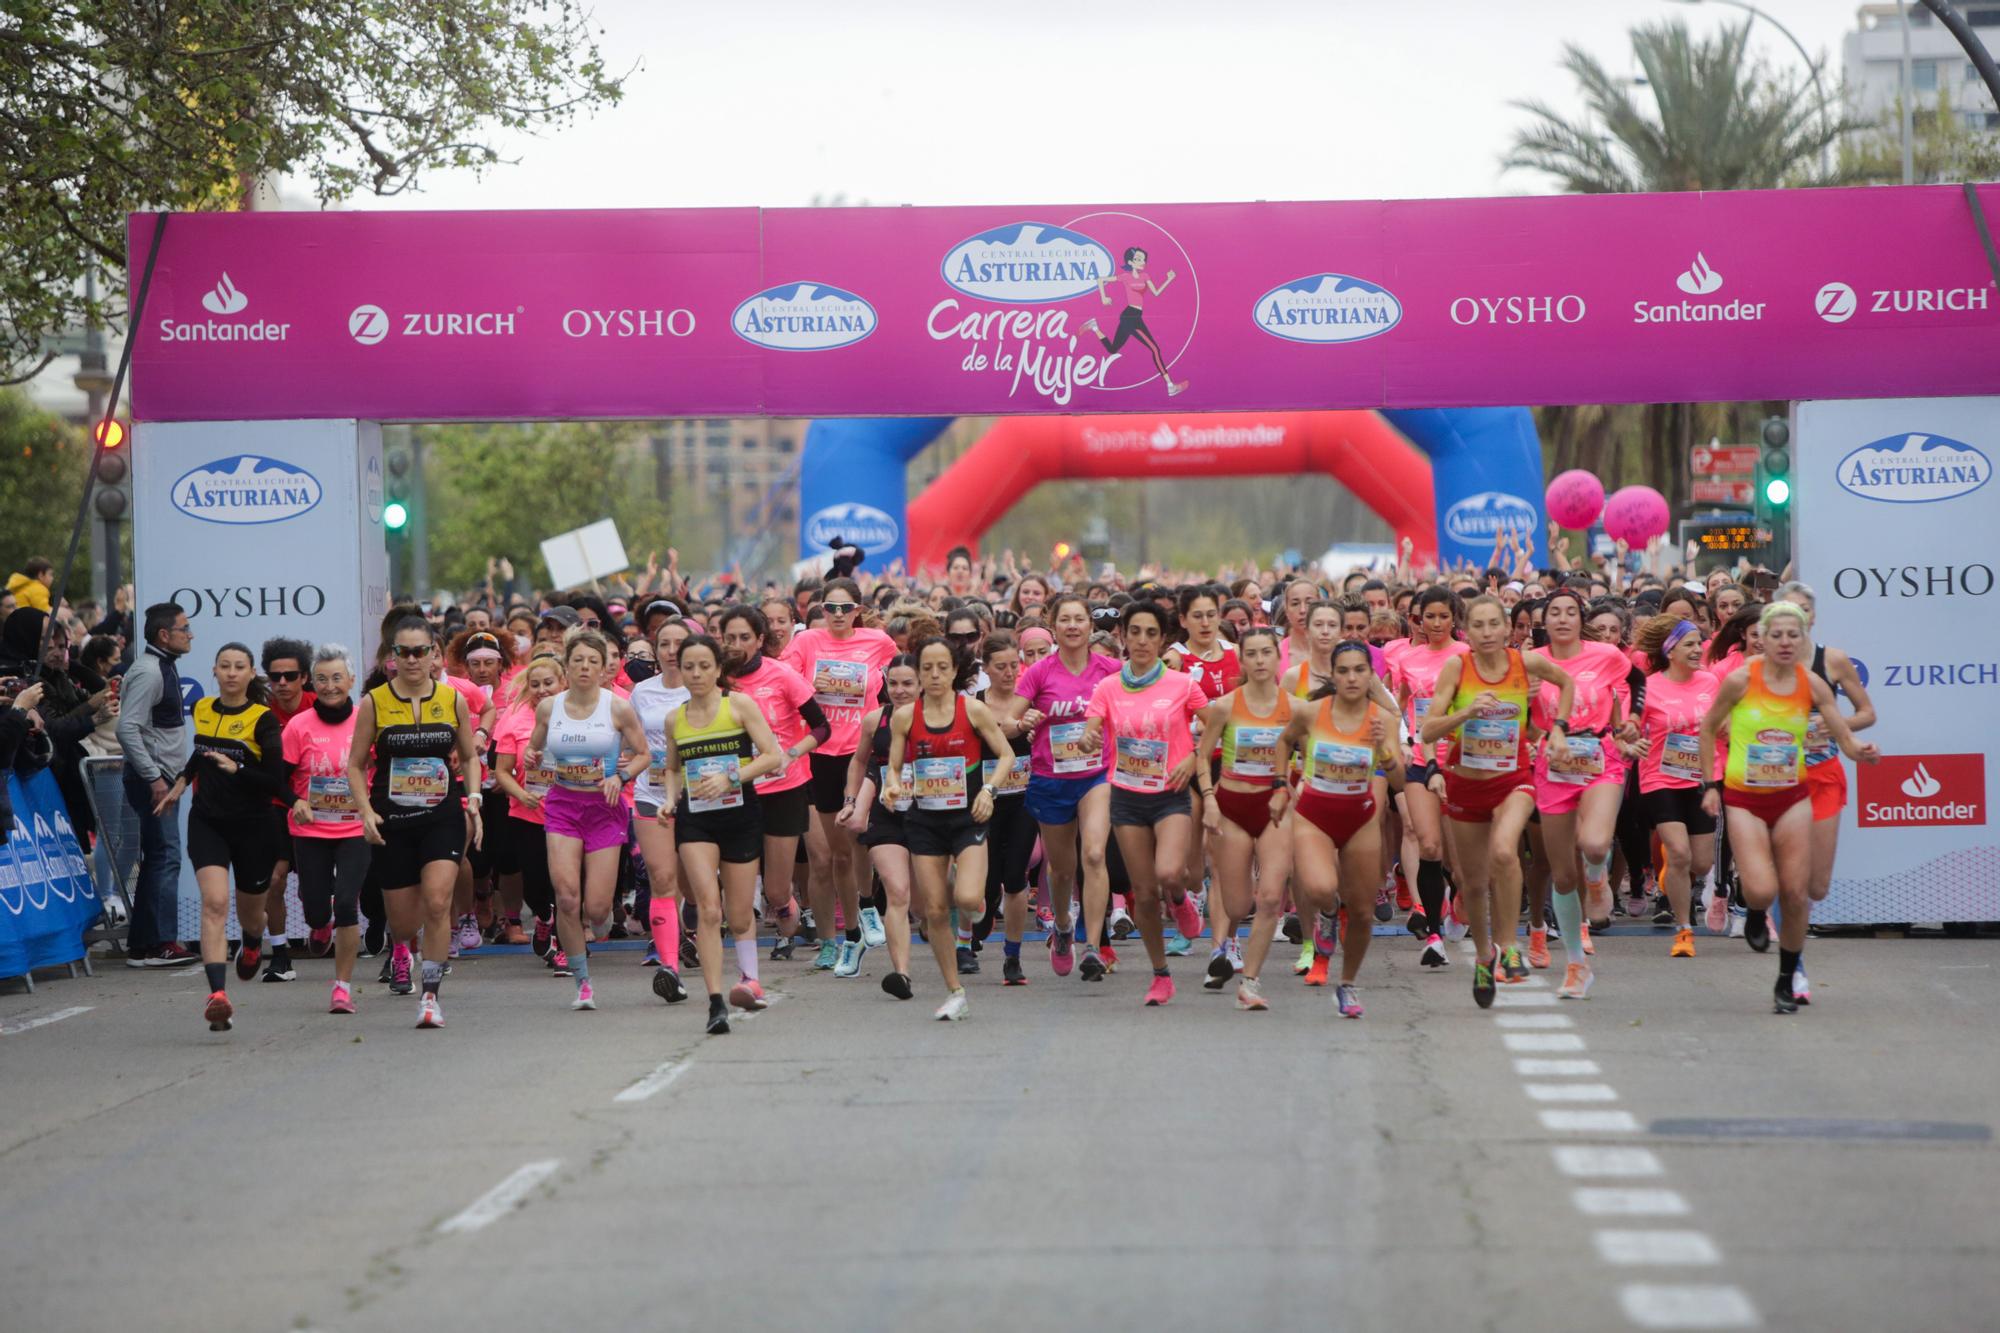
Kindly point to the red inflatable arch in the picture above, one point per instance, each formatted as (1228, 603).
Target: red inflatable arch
(1358, 449)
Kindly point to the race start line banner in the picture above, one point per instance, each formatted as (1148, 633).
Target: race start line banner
(1787, 294)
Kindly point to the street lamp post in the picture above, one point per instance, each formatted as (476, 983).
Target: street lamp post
(1825, 158)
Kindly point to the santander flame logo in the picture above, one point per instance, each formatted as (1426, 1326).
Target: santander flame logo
(225, 299)
(1920, 785)
(1700, 279)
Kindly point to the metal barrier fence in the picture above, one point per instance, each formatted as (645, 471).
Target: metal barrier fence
(114, 862)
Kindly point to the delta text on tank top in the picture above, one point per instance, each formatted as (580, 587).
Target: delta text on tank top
(1496, 740)
(944, 765)
(414, 781)
(718, 747)
(582, 751)
(1250, 740)
(1767, 734)
(1339, 763)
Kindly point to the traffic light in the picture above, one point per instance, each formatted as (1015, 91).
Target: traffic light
(113, 493)
(1774, 468)
(394, 515)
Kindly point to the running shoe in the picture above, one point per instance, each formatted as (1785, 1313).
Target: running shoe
(747, 994)
(219, 1012)
(872, 933)
(1161, 991)
(954, 1007)
(399, 971)
(1418, 924)
(1577, 978)
(586, 998)
(782, 951)
(1123, 927)
(1179, 946)
(1456, 927)
(1291, 928)
(1538, 950)
(1220, 970)
(246, 963)
(558, 963)
(847, 960)
(1235, 951)
(1250, 995)
(320, 941)
(280, 968)
(544, 930)
(451, 951)
(1434, 953)
(430, 1014)
(1348, 1000)
(898, 985)
(718, 1017)
(1782, 999)
(1385, 906)
(1801, 988)
(468, 933)
(829, 954)
(1482, 984)
(1316, 974)
(968, 962)
(667, 985)
(510, 933)
(1011, 973)
(1403, 902)
(1512, 966)
(1757, 930)
(1109, 956)
(343, 999)
(1305, 962)
(388, 969)
(1583, 928)
(652, 958)
(1683, 943)
(1062, 953)
(1717, 918)
(1092, 966)
(1187, 917)
(1045, 920)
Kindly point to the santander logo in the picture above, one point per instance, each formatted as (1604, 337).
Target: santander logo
(1700, 279)
(225, 299)
(1922, 790)
(1921, 785)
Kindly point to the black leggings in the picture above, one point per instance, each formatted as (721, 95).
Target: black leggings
(1010, 841)
(1633, 833)
(330, 872)
(531, 853)
(1132, 324)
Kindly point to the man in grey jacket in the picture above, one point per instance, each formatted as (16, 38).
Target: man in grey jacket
(153, 732)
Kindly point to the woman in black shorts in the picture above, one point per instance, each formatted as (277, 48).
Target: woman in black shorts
(1013, 829)
(880, 827)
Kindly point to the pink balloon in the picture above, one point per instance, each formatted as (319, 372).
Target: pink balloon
(1576, 498)
(1635, 515)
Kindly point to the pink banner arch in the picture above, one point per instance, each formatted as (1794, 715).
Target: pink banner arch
(1358, 449)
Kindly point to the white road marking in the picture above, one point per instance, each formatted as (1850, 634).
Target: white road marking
(657, 1081)
(1541, 1041)
(1590, 1122)
(1605, 1201)
(1571, 1092)
(24, 1024)
(1651, 1305)
(1556, 1068)
(1632, 1248)
(1608, 1162)
(745, 1015)
(503, 1198)
(1519, 1021)
(1520, 999)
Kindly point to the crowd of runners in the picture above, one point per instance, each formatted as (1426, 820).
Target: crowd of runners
(1002, 759)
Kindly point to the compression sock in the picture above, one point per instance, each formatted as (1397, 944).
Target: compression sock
(579, 965)
(215, 972)
(666, 924)
(1430, 892)
(746, 958)
(1788, 966)
(434, 976)
(1596, 872)
(1012, 948)
(1569, 916)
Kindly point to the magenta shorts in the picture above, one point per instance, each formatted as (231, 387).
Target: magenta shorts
(1562, 798)
(583, 815)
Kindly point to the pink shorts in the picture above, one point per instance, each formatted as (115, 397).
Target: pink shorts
(583, 815)
(1562, 798)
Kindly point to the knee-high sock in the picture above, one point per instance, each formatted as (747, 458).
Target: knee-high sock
(746, 958)
(1569, 916)
(665, 918)
(1430, 890)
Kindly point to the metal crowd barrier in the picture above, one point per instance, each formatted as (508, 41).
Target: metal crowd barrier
(114, 862)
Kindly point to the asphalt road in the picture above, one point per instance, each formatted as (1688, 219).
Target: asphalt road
(1668, 1154)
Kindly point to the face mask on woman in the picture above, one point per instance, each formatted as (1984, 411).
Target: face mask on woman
(640, 668)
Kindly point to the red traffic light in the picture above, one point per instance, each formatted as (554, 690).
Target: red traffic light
(109, 433)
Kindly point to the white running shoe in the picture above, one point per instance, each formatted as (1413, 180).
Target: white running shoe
(430, 1014)
(872, 933)
(1801, 988)
(1235, 951)
(1123, 927)
(847, 963)
(1434, 954)
(954, 1007)
(586, 998)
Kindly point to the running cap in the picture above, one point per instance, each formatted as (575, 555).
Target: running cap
(565, 616)
(1696, 587)
(1517, 586)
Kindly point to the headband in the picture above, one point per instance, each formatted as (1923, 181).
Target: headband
(1677, 633)
(1037, 632)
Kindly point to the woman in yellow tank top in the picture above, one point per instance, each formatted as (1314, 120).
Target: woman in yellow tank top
(1766, 703)
(1489, 786)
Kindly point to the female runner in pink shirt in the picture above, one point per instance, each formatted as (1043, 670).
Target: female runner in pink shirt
(1678, 695)
(1132, 279)
(1436, 612)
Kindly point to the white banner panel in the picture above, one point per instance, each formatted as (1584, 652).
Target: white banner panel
(1897, 536)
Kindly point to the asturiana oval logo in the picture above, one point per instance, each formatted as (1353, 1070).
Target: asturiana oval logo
(1477, 518)
(246, 489)
(1914, 469)
(1328, 308)
(1028, 263)
(856, 524)
(803, 317)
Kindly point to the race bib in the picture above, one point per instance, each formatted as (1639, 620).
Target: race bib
(582, 774)
(839, 684)
(1256, 752)
(1820, 745)
(1491, 745)
(538, 780)
(418, 783)
(1680, 758)
(907, 781)
(939, 783)
(656, 772)
(1067, 751)
(1578, 764)
(1339, 769)
(729, 766)
(332, 803)
(1767, 766)
(1017, 777)
(1142, 765)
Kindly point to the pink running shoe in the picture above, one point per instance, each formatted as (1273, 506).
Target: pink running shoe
(1187, 917)
(747, 994)
(468, 933)
(342, 1001)
(1159, 992)
(1717, 918)
(1062, 952)
(586, 998)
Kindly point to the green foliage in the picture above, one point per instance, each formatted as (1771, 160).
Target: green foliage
(1942, 148)
(114, 106)
(44, 461)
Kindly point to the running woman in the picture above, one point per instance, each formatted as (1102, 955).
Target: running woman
(943, 735)
(879, 826)
(1343, 738)
(1489, 789)
(485, 659)
(1132, 279)
(843, 663)
(1012, 840)
(1066, 789)
(237, 770)
(1579, 785)
(593, 743)
(417, 815)
(325, 816)
(654, 700)
(1767, 704)
(1243, 805)
(526, 787)
(1143, 720)
(1671, 782)
(1418, 667)
(287, 664)
(718, 745)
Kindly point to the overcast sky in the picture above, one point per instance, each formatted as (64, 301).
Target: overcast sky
(775, 102)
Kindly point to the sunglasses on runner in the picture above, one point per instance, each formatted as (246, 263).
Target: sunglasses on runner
(409, 651)
(285, 677)
(840, 608)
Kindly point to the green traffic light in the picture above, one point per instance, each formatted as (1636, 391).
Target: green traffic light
(395, 515)
(1778, 491)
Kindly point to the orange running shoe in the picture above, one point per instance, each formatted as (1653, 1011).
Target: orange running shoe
(1683, 943)
(1576, 982)
(1538, 949)
(1316, 974)
(1110, 957)
(219, 1012)
(1584, 929)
